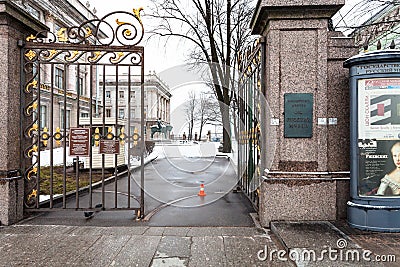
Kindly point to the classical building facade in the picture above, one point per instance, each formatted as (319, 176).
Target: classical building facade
(61, 83)
(124, 105)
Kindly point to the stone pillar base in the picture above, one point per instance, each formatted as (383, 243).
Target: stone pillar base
(302, 198)
(11, 200)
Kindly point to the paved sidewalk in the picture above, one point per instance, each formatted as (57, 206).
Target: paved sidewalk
(55, 245)
(60, 245)
(324, 243)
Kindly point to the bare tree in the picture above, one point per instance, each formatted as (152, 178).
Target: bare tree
(190, 109)
(207, 111)
(217, 31)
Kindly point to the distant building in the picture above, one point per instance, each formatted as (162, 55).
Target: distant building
(157, 99)
(72, 79)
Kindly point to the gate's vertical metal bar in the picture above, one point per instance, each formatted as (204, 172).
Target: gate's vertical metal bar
(239, 123)
(65, 137)
(142, 123)
(129, 134)
(103, 136)
(91, 136)
(116, 137)
(78, 93)
(38, 137)
(263, 123)
(51, 135)
(22, 99)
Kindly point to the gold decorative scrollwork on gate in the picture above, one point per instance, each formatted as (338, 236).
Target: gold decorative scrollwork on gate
(45, 136)
(30, 54)
(62, 35)
(117, 57)
(33, 194)
(50, 54)
(96, 55)
(96, 136)
(72, 55)
(109, 135)
(33, 149)
(30, 85)
(122, 136)
(89, 32)
(34, 128)
(31, 108)
(30, 38)
(32, 173)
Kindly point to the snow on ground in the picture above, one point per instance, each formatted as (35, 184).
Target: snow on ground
(188, 150)
(161, 150)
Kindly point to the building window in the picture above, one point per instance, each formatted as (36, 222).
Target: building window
(133, 94)
(108, 112)
(33, 11)
(81, 86)
(84, 115)
(108, 94)
(133, 113)
(59, 78)
(43, 116)
(121, 94)
(68, 116)
(121, 113)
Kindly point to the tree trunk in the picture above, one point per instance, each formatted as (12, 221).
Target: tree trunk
(226, 129)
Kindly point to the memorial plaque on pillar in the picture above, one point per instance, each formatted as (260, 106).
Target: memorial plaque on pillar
(298, 115)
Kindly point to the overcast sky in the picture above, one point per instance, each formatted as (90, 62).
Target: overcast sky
(157, 56)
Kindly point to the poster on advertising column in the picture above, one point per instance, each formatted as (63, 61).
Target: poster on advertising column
(379, 137)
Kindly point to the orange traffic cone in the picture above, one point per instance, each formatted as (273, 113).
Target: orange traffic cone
(201, 193)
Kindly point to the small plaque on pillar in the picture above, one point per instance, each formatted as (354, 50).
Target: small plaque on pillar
(298, 115)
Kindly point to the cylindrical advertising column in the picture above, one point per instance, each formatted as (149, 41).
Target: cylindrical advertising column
(375, 140)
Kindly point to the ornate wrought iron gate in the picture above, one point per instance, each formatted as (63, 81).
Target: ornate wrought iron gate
(251, 116)
(81, 131)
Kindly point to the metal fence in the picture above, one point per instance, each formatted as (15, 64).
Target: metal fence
(73, 145)
(251, 119)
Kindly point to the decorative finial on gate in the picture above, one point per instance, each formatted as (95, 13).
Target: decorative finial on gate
(392, 45)
(365, 46)
(137, 13)
(379, 45)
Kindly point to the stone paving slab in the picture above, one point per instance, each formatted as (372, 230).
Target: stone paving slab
(31, 245)
(103, 252)
(208, 251)
(317, 244)
(157, 231)
(138, 251)
(309, 235)
(174, 246)
(87, 230)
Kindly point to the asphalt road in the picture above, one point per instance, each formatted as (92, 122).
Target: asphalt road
(172, 185)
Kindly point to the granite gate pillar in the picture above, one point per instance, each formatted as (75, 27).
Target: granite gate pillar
(307, 177)
(15, 26)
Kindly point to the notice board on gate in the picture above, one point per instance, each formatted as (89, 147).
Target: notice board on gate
(79, 141)
(298, 115)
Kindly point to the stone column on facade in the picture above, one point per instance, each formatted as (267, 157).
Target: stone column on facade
(301, 183)
(15, 26)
